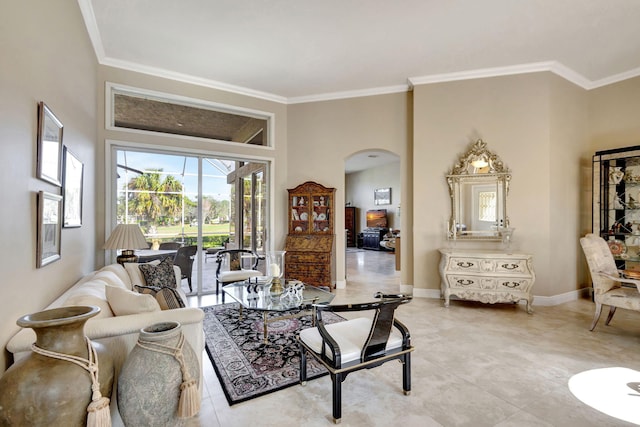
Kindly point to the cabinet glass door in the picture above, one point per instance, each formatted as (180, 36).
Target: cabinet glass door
(616, 203)
(322, 213)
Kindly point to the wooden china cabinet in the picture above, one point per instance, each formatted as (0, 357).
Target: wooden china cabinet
(310, 240)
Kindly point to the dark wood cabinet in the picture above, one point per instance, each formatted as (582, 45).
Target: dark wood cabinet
(371, 238)
(350, 225)
(310, 240)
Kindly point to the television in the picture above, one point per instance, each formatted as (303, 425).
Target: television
(377, 218)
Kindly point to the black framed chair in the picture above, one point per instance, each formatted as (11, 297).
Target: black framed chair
(169, 246)
(235, 260)
(355, 344)
(184, 259)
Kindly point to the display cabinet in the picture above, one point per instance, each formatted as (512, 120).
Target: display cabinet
(309, 243)
(311, 209)
(616, 203)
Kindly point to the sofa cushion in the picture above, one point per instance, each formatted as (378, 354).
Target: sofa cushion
(90, 293)
(161, 275)
(110, 278)
(124, 302)
(119, 271)
(168, 298)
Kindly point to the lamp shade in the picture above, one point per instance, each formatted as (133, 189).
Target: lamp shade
(126, 236)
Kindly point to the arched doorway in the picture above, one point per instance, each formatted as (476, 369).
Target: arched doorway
(372, 214)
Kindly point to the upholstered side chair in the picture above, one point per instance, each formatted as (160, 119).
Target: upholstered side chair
(607, 280)
(234, 261)
(363, 342)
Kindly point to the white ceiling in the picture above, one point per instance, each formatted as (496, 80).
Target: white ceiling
(294, 51)
(369, 159)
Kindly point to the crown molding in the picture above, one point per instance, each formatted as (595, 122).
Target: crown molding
(185, 78)
(536, 67)
(92, 28)
(349, 94)
(616, 78)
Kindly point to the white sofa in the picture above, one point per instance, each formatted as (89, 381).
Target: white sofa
(118, 333)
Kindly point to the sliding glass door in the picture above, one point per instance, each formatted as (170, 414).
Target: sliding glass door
(192, 200)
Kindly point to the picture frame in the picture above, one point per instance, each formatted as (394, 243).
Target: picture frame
(72, 183)
(49, 228)
(382, 196)
(49, 146)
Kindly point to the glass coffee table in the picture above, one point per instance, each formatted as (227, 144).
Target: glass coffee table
(252, 297)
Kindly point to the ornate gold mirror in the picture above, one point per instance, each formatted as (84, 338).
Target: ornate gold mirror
(478, 185)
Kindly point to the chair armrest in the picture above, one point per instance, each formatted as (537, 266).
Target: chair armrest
(620, 278)
(384, 299)
(390, 296)
(327, 340)
(406, 336)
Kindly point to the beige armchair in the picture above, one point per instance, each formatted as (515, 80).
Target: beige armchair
(607, 279)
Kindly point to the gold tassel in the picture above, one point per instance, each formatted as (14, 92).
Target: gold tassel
(99, 414)
(189, 403)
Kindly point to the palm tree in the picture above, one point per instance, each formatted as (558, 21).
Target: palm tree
(151, 198)
(170, 195)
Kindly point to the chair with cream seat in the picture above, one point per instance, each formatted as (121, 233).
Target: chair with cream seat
(607, 279)
(364, 342)
(235, 260)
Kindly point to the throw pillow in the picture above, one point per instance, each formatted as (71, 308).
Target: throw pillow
(124, 302)
(160, 275)
(135, 275)
(168, 298)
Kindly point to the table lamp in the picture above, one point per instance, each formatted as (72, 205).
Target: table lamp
(126, 237)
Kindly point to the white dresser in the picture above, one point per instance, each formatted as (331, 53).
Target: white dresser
(486, 276)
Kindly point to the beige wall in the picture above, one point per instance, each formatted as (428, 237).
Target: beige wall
(515, 115)
(568, 138)
(46, 57)
(322, 135)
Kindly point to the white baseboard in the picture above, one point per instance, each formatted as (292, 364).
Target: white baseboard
(537, 300)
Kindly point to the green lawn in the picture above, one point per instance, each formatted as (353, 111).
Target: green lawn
(218, 232)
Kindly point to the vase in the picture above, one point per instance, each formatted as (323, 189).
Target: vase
(42, 390)
(153, 380)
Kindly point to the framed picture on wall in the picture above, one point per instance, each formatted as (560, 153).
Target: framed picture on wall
(49, 228)
(72, 190)
(382, 196)
(49, 145)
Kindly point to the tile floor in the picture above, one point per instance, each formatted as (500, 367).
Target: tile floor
(474, 365)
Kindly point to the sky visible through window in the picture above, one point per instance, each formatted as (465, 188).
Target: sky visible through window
(214, 180)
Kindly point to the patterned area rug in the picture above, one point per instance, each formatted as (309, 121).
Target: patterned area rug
(247, 367)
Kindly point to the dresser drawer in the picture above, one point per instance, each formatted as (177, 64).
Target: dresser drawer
(505, 284)
(489, 265)
(471, 282)
(307, 257)
(463, 264)
(512, 266)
